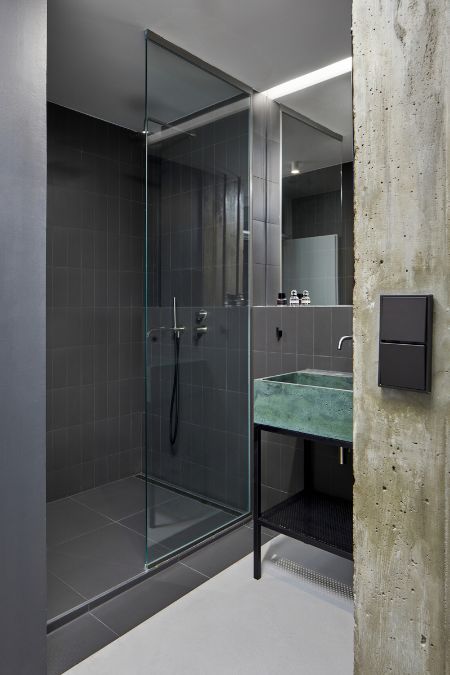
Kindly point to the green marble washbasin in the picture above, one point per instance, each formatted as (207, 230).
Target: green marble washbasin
(315, 402)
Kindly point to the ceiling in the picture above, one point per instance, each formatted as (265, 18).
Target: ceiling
(96, 58)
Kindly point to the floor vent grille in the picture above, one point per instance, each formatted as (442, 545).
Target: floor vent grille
(325, 583)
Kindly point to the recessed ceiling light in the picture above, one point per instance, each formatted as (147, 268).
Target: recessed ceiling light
(310, 79)
(295, 168)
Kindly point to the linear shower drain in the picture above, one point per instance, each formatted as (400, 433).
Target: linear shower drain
(326, 583)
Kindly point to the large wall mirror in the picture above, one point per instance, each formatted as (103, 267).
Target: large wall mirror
(317, 223)
(317, 192)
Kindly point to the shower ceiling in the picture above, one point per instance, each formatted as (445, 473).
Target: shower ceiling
(96, 53)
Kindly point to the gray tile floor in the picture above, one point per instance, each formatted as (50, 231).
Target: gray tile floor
(96, 539)
(82, 637)
(290, 621)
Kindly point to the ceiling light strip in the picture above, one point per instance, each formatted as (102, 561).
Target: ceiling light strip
(310, 79)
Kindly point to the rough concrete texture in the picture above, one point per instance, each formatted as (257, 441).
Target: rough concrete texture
(401, 458)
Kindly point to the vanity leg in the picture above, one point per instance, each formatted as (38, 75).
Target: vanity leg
(257, 503)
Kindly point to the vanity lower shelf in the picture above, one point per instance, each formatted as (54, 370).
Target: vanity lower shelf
(314, 518)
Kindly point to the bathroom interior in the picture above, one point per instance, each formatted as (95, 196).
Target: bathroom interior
(181, 202)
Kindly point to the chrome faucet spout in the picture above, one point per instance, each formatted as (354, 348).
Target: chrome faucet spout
(343, 339)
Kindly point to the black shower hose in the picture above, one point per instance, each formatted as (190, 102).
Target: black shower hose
(175, 400)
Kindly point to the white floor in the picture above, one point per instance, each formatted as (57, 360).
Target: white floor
(234, 625)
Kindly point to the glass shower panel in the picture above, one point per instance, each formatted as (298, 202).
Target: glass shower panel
(197, 314)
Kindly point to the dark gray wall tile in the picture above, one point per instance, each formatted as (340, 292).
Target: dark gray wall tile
(94, 302)
(273, 161)
(274, 321)
(273, 203)
(274, 363)
(259, 198)
(259, 364)
(322, 331)
(259, 156)
(259, 328)
(259, 242)
(273, 283)
(288, 362)
(273, 245)
(322, 362)
(289, 341)
(344, 365)
(259, 285)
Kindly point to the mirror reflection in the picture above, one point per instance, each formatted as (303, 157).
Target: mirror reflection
(317, 213)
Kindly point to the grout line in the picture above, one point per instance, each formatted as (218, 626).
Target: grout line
(130, 529)
(90, 508)
(170, 499)
(100, 513)
(194, 570)
(69, 586)
(104, 624)
(67, 541)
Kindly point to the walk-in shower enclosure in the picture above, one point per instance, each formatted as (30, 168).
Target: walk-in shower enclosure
(196, 128)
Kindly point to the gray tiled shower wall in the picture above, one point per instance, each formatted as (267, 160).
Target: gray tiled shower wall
(210, 455)
(309, 340)
(198, 254)
(196, 249)
(95, 245)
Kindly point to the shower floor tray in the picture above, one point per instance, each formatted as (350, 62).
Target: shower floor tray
(96, 539)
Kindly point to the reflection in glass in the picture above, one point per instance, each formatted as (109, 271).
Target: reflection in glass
(317, 224)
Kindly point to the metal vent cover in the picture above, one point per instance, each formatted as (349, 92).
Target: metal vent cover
(325, 583)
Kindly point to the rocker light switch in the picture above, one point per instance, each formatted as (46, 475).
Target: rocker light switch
(405, 342)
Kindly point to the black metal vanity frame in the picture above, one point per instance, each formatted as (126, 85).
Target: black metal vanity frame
(309, 516)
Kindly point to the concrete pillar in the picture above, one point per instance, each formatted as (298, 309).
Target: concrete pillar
(401, 458)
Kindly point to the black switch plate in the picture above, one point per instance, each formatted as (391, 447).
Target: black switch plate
(402, 366)
(405, 342)
(404, 318)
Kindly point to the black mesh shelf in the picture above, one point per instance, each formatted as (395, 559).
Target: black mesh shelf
(315, 518)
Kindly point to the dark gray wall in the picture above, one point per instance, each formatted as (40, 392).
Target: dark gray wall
(22, 336)
(95, 261)
(266, 225)
(309, 340)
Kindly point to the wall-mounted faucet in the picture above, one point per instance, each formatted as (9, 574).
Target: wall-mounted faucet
(343, 339)
(201, 319)
(201, 316)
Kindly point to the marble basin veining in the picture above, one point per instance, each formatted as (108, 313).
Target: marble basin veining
(315, 402)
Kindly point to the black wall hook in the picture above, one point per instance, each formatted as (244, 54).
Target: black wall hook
(279, 333)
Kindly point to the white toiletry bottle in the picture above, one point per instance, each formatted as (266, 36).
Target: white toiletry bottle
(306, 300)
(293, 300)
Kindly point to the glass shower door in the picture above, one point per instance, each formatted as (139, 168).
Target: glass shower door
(197, 313)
